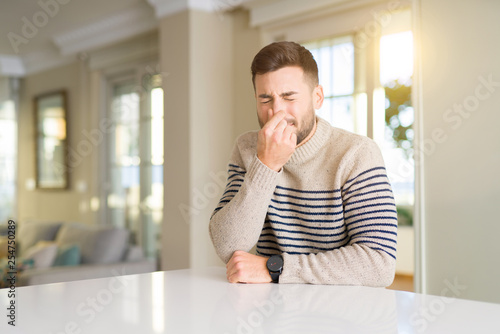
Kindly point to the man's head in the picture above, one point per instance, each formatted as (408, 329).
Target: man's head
(285, 77)
(285, 54)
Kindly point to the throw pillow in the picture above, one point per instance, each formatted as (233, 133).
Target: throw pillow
(68, 256)
(31, 232)
(43, 254)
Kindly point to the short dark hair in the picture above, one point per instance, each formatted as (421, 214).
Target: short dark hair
(283, 54)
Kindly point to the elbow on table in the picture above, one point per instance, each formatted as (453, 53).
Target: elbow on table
(385, 273)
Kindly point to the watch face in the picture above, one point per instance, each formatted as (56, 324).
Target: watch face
(275, 263)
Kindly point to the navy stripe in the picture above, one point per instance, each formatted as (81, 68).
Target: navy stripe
(232, 185)
(383, 250)
(310, 191)
(234, 166)
(302, 232)
(301, 253)
(307, 220)
(364, 180)
(302, 239)
(231, 190)
(370, 212)
(373, 242)
(308, 205)
(367, 171)
(367, 186)
(228, 196)
(309, 199)
(371, 199)
(368, 206)
(307, 213)
(233, 175)
(280, 252)
(299, 246)
(375, 237)
(237, 171)
(372, 218)
(372, 231)
(305, 226)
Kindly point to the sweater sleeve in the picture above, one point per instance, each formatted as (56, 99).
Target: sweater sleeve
(237, 221)
(370, 218)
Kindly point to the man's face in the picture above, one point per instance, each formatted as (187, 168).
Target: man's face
(289, 90)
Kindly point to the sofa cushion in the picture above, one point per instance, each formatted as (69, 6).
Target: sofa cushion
(68, 256)
(97, 244)
(43, 254)
(31, 233)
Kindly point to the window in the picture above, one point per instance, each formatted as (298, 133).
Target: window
(8, 154)
(396, 125)
(135, 160)
(392, 114)
(335, 59)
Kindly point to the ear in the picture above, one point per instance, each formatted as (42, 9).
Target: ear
(318, 97)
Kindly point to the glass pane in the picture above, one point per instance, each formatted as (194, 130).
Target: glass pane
(8, 159)
(127, 144)
(326, 111)
(342, 113)
(136, 163)
(396, 69)
(338, 112)
(343, 69)
(396, 57)
(325, 68)
(157, 126)
(126, 108)
(335, 59)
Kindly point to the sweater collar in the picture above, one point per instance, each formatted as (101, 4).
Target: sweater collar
(314, 144)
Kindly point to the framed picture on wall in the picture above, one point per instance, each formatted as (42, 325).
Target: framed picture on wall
(51, 140)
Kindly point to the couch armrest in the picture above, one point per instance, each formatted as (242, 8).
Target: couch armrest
(85, 271)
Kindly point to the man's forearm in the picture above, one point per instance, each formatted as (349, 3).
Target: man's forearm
(238, 223)
(349, 265)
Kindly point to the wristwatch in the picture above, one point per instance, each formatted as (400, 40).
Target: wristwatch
(275, 266)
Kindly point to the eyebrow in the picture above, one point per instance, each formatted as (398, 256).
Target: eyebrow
(285, 94)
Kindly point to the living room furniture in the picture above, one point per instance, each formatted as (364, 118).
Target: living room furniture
(202, 301)
(62, 252)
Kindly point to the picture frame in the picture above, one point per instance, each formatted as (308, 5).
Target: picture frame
(51, 140)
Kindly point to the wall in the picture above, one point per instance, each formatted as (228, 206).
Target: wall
(196, 51)
(246, 44)
(461, 150)
(45, 204)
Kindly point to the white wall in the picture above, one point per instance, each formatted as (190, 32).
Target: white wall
(460, 49)
(196, 51)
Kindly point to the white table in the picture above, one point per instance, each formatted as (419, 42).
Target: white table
(201, 301)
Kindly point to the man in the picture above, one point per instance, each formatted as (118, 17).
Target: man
(315, 199)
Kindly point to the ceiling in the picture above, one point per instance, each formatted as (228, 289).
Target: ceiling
(39, 34)
(66, 17)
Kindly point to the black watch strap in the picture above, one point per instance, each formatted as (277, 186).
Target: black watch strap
(275, 266)
(275, 276)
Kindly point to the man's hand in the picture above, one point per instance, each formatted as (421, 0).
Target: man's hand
(244, 267)
(276, 141)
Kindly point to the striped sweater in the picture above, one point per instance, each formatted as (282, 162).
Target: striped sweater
(330, 211)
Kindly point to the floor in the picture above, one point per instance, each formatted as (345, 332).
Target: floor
(402, 282)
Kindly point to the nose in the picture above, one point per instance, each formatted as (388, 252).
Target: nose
(277, 106)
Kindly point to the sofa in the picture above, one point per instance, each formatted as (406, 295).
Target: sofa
(51, 252)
